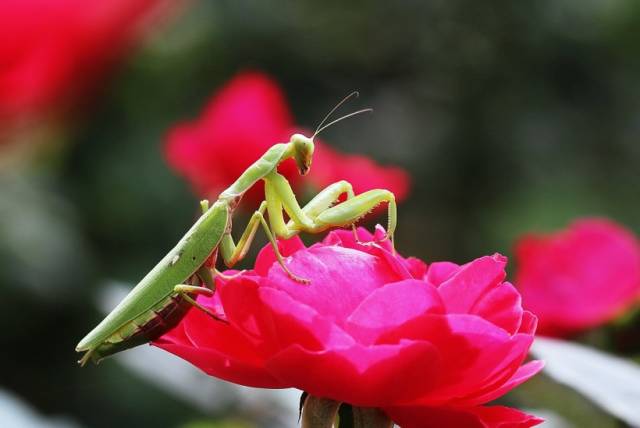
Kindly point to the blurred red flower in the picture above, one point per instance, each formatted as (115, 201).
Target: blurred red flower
(243, 119)
(428, 345)
(580, 277)
(52, 51)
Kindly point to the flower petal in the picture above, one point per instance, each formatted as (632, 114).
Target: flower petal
(404, 268)
(441, 271)
(466, 286)
(391, 306)
(218, 349)
(267, 257)
(222, 366)
(359, 375)
(500, 305)
(523, 374)
(472, 417)
(274, 320)
(333, 271)
(474, 352)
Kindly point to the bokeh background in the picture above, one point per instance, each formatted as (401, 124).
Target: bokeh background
(509, 116)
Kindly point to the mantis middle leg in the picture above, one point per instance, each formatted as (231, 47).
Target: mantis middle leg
(232, 252)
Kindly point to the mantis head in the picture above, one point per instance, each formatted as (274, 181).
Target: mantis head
(302, 152)
(302, 146)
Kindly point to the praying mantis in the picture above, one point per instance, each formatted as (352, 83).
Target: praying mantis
(164, 296)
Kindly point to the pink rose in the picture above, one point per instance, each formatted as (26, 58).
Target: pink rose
(243, 119)
(427, 345)
(580, 277)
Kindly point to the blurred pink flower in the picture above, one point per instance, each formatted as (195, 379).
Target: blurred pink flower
(53, 51)
(428, 345)
(579, 277)
(243, 119)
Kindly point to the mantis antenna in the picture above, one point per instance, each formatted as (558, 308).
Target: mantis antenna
(344, 100)
(339, 119)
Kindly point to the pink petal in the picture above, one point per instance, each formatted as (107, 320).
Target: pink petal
(293, 322)
(267, 257)
(417, 268)
(501, 306)
(346, 239)
(220, 365)
(176, 336)
(523, 374)
(391, 306)
(219, 349)
(474, 352)
(273, 320)
(471, 417)
(441, 271)
(360, 375)
(341, 278)
(205, 332)
(528, 324)
(244, 309)
(404, 268)
(433, 417)
(505, 417)
(462, 290)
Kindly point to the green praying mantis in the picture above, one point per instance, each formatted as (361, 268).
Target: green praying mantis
(163, 297)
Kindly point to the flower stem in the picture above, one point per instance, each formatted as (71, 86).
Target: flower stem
(365, 417)
(319, 412)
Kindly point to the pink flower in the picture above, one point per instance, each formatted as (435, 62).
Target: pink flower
(51, 51)
(246, 117)
(580, 277)
(428, 345)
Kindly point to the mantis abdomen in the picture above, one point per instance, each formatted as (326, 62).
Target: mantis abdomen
(153, 301)
(145, 328)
